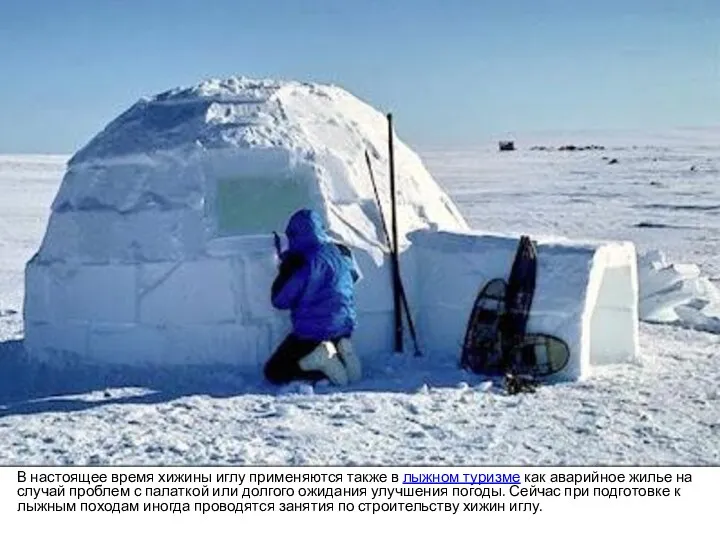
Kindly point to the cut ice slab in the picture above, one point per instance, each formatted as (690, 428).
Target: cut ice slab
(656, 308)
(658, 280)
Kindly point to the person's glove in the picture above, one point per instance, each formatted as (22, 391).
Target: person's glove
(290, 261)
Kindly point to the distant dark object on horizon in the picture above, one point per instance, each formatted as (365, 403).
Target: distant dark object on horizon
(693, 168)
(650, 225)
(613, 161)
(569, 148)
(506, 146)
(573, 148)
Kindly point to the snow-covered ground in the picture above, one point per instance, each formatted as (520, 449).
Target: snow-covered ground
(662, 193)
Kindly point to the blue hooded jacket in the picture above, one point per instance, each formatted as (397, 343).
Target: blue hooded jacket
(316, 281)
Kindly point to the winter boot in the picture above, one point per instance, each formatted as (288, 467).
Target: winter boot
(325, 360)
(350, 359)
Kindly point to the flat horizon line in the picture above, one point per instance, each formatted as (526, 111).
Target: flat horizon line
(490, 139)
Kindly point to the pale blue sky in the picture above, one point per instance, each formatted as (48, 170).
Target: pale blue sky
(452, 71)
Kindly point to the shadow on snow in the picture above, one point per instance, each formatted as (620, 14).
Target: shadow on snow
(32, 388)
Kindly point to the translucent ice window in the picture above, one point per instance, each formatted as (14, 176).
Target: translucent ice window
(257, 205)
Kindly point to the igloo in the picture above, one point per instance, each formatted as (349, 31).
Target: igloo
(159, 246)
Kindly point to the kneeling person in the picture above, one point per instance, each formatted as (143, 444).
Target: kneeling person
(316, 283)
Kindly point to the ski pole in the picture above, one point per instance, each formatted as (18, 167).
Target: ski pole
(397, 281)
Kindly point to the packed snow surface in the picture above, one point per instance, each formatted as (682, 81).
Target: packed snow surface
(661, 194)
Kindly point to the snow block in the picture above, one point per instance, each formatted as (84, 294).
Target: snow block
(126, 344)
(61, 240)
(36, 307)
(374, 333)
(176, 235)
(254, 265)
(48, 342)
(586, 294)
(374, 293)
(61, 293)
(242, 346)
(131, 183)
(190, 292)
(612, 305)
(257, 277)
(105, 236)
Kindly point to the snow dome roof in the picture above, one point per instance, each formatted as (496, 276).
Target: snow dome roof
(238, 156)
(236, 112)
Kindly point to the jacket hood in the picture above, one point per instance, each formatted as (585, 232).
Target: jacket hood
(305, 230)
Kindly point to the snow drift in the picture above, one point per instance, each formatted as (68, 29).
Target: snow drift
(159, 246)
(677, 293)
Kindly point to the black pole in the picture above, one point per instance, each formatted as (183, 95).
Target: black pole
(278, 246)
(396, 280)
(395, 246)
(388, 241)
